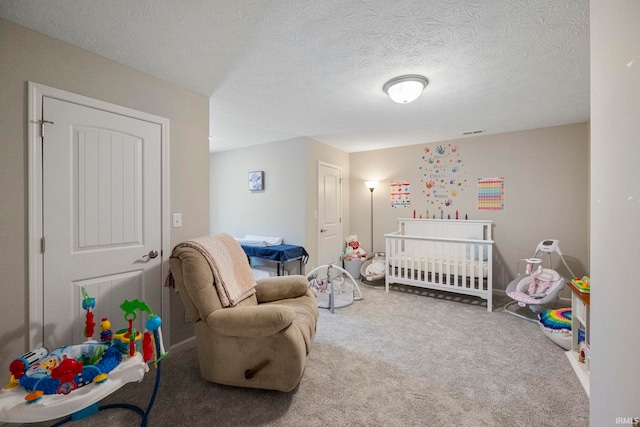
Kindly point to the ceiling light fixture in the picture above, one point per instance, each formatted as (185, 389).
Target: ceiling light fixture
(404, 89)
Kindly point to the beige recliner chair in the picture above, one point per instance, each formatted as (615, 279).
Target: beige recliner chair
(261, 342)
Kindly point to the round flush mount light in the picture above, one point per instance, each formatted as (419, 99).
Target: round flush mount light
(405, 89)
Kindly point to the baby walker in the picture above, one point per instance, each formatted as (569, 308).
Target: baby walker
(70, 380)
(536, 287)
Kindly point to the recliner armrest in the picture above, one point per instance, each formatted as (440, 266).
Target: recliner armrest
(281, 287)
(251, 321)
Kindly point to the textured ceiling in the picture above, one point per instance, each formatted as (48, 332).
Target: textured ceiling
(281, 69)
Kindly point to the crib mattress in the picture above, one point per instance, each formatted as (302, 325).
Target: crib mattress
(434, 265)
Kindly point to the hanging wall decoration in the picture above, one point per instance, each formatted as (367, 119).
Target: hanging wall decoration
(400, 194)
(491, 194)
(443, 176)
(256, 181)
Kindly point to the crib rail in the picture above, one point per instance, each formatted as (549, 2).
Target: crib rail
(450, 255)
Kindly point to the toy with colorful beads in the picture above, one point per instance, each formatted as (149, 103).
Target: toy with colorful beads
(105, 331)
(88, 304)
(153, 324)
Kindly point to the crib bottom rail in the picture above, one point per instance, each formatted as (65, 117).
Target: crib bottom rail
(479, 287)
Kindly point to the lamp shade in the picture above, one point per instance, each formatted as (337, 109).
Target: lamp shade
(371, 184)
(405, 89)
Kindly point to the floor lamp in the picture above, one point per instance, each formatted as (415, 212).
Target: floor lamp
(371, 185)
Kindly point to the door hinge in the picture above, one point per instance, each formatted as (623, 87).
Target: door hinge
(42, 245)
(42, 123)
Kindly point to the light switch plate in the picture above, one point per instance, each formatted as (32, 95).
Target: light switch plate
(177, 220)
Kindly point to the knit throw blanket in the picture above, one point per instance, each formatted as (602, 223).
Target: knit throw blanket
(231, 272)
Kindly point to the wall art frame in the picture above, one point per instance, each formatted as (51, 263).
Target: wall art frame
(256, 180)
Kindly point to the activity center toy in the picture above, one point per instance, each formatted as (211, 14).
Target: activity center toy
(69, 381)
(583, 285)
(333, 287)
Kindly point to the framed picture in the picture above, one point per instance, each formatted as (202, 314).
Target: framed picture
(256, 180)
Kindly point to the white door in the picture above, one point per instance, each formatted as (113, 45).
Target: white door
(101, 210)
(329, 213)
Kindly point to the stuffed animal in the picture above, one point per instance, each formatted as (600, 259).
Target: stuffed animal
(353, 249)
(316, 284)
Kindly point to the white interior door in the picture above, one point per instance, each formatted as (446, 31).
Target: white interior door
(329, 213)
(101, 212)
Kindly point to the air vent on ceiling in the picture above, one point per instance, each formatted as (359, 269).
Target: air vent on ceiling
(472, 132)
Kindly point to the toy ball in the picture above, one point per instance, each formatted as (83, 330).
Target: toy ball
(153, 323)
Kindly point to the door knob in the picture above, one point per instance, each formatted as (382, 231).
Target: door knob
(323, 230)
(152, 254)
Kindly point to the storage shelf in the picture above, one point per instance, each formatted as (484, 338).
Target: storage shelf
(580, 305)
(580, 370)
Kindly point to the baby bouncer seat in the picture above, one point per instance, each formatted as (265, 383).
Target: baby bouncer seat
(373, 270)
(536, 287)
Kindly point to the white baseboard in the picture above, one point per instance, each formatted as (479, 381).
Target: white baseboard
(184, 345)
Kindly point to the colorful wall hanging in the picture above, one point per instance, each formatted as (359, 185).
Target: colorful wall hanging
(491, 194)
(443, 175)
(400, 194)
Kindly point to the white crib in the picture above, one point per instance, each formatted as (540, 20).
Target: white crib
(449, 255)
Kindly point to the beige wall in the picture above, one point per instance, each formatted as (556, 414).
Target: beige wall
(30, 56)
(615, 211)
(286, 207)
(278, 210)
(546, 192)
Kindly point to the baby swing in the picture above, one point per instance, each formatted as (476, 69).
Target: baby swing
(537, 287)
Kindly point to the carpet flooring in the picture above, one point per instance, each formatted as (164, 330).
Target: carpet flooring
(405, 358)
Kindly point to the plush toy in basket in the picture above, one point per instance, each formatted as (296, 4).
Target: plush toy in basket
(353, 249)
